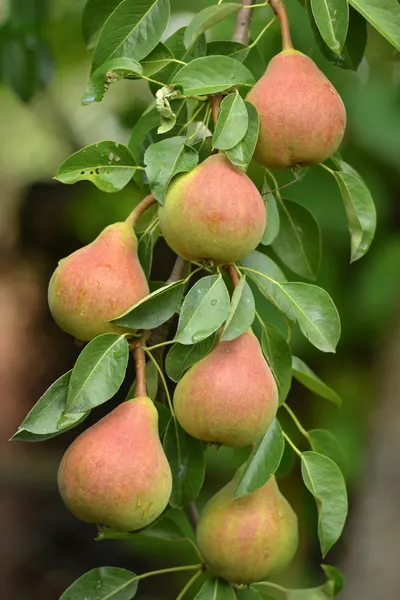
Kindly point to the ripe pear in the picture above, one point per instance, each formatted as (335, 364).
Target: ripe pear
(116, 472)
(98, 283)
(230, 397)
(302, 117)
(250, 538)
(214, 212)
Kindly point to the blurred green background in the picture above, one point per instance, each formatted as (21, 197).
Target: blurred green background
(42, 548)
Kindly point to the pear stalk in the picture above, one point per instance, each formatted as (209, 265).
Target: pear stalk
(137, 212)
(279, 9)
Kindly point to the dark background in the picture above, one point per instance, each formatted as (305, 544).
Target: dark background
(42, 548)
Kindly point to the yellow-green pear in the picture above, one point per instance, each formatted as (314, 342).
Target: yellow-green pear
(214, 212)
(116, 473)
(229, 397)
(247, 539)
(98, 283)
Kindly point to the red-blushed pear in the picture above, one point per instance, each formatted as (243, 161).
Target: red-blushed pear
(230, 397)
(98, 283)
(302, 117)
(247, 539)
(214, 212)
(116, 473)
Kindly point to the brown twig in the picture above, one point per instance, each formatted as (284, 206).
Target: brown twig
(243, 22)
(192, 514)
(233, 274)
(139, 209)
(178, 270)
(140, 366)
(279, 9)
(215, 102)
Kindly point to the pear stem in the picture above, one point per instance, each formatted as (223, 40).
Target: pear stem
(279, 9)
(243, 22)
(233, 274)
(140, 365)
(139, 209)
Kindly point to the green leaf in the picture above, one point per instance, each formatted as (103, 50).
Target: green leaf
(312, 306)
(42, 421)
(166, 159)
(277, 352)
(298, 243)
(335, 578)
(384, 16)
(332, 19)
(273, 223)
(98, 373)
(268, 590)
(206, 18)
(355, 44)
(360, 210)
(159, 58)
(310, 380)
(164, 417)
(186, 458)
(25, 62)
(95, 14)
(241, 313)
(109, 165)
(316, 314)
(175, 44)
(324, 480)
(204, 310)
(263, 461)
(324, 442)
(249, 594)
(181, 357)
(103, 583)
(27, 17)
(145, 249)
(109, 73)
(232, 122)
(241, 154)
(230, 48)
(216, 589)
(265, 273)
(212, 74)
(133, 30)
(155, 309)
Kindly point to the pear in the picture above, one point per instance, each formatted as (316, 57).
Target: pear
(250, 538)
(98, 283)
(302, 117)
(214, 212)
(116, 472)
(230, 397)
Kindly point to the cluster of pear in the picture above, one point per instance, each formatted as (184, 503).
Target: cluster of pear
(116, 473)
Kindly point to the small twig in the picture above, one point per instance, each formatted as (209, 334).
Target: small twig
(192, 514)
(279, 9)
(178, 270)
(233, 274)
(140, 366)
(215, 102)
(139, 209)
(243, 22)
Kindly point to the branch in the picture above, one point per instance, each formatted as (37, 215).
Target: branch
(233, 274)
(243, 22)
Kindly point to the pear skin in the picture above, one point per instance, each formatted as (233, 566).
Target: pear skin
(230, 397)
(247, 539)
(302, 117)
(116, 473)
(214, 212)
(98, 283)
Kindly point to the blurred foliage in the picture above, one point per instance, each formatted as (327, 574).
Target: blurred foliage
(39, 135)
